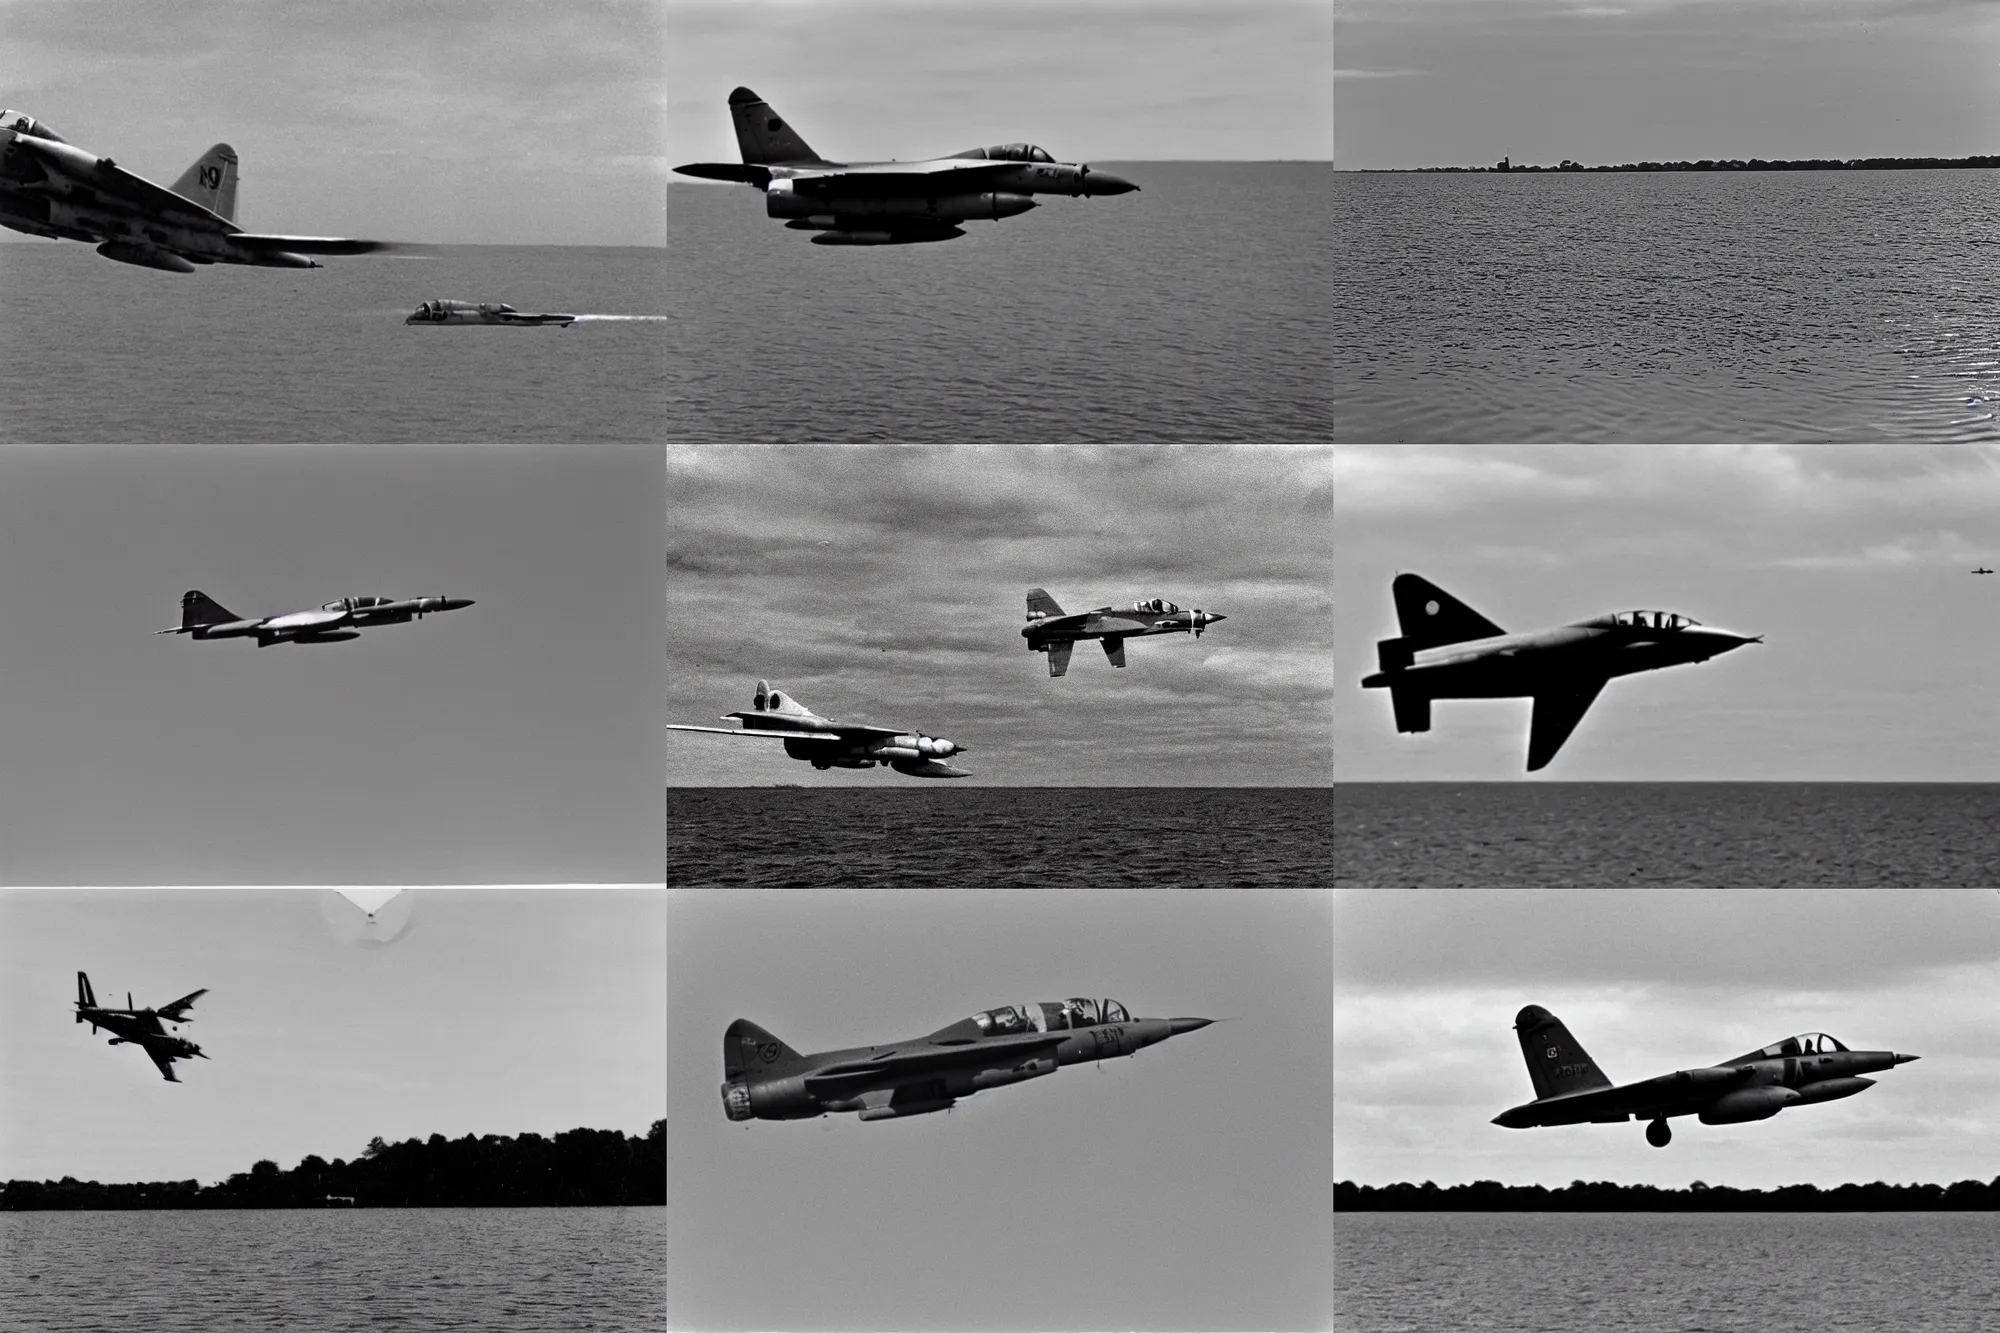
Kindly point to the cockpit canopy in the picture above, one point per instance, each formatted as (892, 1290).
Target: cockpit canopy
(1153, 604)
(356, 603)
(1008, 152)
(23, 123)
(1806, 1043)
(1048, 1016)
(1643, 620)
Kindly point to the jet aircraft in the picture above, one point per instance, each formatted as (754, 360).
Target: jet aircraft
(829, 744)
(890, 203)
(141, 1027)
(1449, 651)
(467, 312)
(1050, 631)
(1982, 571)
(49, 187)
(341, 619)
(768, 1080)
(1571, 1090)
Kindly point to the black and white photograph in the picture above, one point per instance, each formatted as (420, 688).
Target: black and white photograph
(1119, 1119)
(1045, 221)
(1579, 1111)
(1726, 666)
(1651, 221)
(332, 1108)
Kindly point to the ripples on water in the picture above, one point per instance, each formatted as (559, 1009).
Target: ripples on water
(368, 1268)
(1040, 837)
(1652, 307)
(1719, 834)
(1692, 1272)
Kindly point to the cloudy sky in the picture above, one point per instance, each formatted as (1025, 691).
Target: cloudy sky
(1184, 1188)
(888, 586)
(472, 121)
(494, 1012)
(1427, 985)
(1091, 81)
(1467, 82)
(1853, 562)
(511, 741)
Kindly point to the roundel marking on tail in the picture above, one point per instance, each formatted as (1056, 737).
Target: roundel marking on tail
(1431, 607)
(768, 1052)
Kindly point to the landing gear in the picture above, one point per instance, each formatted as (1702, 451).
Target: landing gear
(1658, 1134)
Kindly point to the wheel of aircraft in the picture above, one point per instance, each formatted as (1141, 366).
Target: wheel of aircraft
(1659, 1134)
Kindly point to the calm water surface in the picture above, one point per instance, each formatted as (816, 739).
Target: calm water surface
(1721, 834)
(370, 1268)
(1652, 307)
(1023, 837)
(1684, 1272)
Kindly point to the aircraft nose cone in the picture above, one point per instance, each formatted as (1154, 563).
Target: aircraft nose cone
(1103, 182)
(1176, 1026)
(1905, 1059)
(457, 603)
(1214, 616)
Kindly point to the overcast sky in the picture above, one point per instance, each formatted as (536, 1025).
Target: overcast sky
(1089, 80)
(512, 741)
(1184, 1188)
(509, 122)
(1854, 562)
(495, 1012)
(1649, 982)
(889, 586)
(1467, 82)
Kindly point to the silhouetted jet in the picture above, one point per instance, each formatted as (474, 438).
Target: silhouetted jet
(483, 312)
(1982, 571)
(1571, 1090)
(1449, 651)
(141, 1027)
(335, 622)
(1050, 631)
(829, 744)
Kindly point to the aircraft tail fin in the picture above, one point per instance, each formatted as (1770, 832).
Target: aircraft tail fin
(1041, 604)
(86, 998)
(747, 1048)
(211, 182)
(1430, 616)
(770, 700)
(763, 135)
(198, 609)
(1557, 1062)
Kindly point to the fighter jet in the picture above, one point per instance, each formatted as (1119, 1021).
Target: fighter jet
(1982, 571)
(339, 620)
(829, 744)
(49, 187)
(890, 203)
(466, 312)
(141, 1027)
(1050, 631)
(1571, 1090)
(1449, 651)
(768, 1080)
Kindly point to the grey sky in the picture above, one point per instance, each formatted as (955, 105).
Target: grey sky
(1649, 982)
(1090, 80)
(495, 1012)
(889, 586)
(477, 121)
(508, 742)
(1467, 82)
(1854, 562)
(1183, 1188)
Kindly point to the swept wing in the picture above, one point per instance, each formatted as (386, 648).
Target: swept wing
(1648, 1098)
(163, 1060)
(177, 1011)
(1556, 714)
(854, 1076)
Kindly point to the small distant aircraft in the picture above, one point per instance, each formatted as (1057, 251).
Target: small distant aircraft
(828, 744)
(1050, 631)
(1571, 1090)
(341, 619)
(49, 187)
(890, 203)
(1982, 571)
(768, 1080)
(141, 1027)
(1450, 651)
(467, 312)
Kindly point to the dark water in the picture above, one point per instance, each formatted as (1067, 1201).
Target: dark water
(1687, 1272)
(1193, 310)
(414, 1268)
(1719, 834)
(1803, 306)
(94, 351)
(1021, 837)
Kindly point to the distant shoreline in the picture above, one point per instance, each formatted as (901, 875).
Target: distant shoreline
(1506, 167)
(1603, 1196)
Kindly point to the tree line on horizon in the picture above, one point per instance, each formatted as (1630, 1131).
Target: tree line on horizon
(1752, 164)
(576, 1168)
(1604, 1196)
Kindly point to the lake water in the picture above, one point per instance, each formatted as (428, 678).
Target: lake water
(372, 1268)
(1194, 310)
(1020, 837)
(1685, 1272)
(1617, 834)
(93, 351)
(1654, 307)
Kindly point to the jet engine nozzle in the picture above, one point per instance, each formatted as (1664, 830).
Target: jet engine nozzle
(736, 1101)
